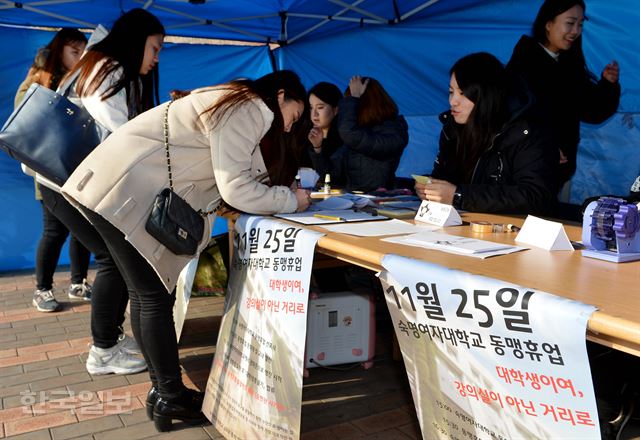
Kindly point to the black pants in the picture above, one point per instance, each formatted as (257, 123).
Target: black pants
(109, 294)
(151, 309)
(54, 234)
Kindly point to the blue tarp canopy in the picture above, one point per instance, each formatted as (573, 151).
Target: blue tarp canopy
(409, 45)
(249, 20)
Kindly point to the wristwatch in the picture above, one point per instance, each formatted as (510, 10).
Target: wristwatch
(457, 200)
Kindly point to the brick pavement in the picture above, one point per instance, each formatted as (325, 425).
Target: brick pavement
(46, 392)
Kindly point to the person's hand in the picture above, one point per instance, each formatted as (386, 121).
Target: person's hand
(611, 72)
(356, 86)
(563, 159)
(440, 191)
(315, 137)
(421, 190)
(303, 197)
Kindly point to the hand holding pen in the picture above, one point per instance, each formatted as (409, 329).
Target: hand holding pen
(303, 197)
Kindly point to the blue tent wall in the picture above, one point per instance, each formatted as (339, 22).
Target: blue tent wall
(182, 67)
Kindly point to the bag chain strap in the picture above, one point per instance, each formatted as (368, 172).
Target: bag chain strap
(166, 146)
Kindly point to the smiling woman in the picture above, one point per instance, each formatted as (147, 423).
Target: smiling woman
(553, 65)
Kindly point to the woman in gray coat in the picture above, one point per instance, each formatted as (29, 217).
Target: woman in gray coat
(213, 136)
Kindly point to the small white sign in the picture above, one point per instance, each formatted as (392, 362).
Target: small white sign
(438, 214)
(544, 234)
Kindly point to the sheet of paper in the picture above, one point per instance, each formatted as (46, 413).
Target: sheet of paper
(454, 244)
(346, 215)
(376, 229)
(308, 177)
(425, 180)
(544, 234)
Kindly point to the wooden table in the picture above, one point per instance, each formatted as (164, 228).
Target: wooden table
(613, 288)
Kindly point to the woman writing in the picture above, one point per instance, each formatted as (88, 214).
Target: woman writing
(115, 80)
(374, 136)
(50, 65)
(213, 135)
(554, 67)
(490, 158)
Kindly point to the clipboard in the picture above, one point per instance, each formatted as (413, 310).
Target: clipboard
(346, 216)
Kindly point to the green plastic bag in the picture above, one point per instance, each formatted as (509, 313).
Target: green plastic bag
(211, 274)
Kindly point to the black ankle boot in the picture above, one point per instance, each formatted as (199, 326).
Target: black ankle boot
(186, 407)
(152, 396)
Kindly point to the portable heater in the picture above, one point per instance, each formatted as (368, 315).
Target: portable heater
(341, 329)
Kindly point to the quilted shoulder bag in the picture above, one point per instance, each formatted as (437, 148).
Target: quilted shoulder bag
(173, 222)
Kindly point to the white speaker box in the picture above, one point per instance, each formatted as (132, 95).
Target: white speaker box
(341, 329)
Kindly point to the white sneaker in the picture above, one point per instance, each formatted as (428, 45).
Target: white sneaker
(113, 360)
(128, 344)
(80, 291)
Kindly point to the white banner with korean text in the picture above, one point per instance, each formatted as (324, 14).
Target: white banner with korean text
(254, 390)
(487, 359)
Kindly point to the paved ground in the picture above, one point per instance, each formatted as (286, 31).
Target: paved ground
(46, 392)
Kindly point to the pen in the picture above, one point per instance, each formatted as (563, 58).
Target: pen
(330, 217)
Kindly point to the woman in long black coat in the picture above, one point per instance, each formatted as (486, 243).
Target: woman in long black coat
(565, 91)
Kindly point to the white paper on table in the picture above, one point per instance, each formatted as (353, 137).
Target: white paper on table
(454, 244)
(308, 177)
(376, 229)
(544, 234)
(438, 214)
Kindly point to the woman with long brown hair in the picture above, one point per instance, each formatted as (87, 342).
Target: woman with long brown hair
(49, 66)
(214, 137)
(373, 134)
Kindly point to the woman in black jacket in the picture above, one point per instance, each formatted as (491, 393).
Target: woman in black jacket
(373, 134)
(490, 159)
(323, 137)
(566, 92)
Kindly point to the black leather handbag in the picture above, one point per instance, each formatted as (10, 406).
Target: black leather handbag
(173, 222)
(50, 134)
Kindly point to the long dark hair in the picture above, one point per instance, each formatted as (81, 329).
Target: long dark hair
(482, 78)
(123, 48)
(376, 105)
(549, 10)
(49, 59)
(276, 144)
(327, 92)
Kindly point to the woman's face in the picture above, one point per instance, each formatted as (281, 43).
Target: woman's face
(321, 113)
(151, 53)
(71, 53)
(461, 106)
(290, 109)
(564, 29)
